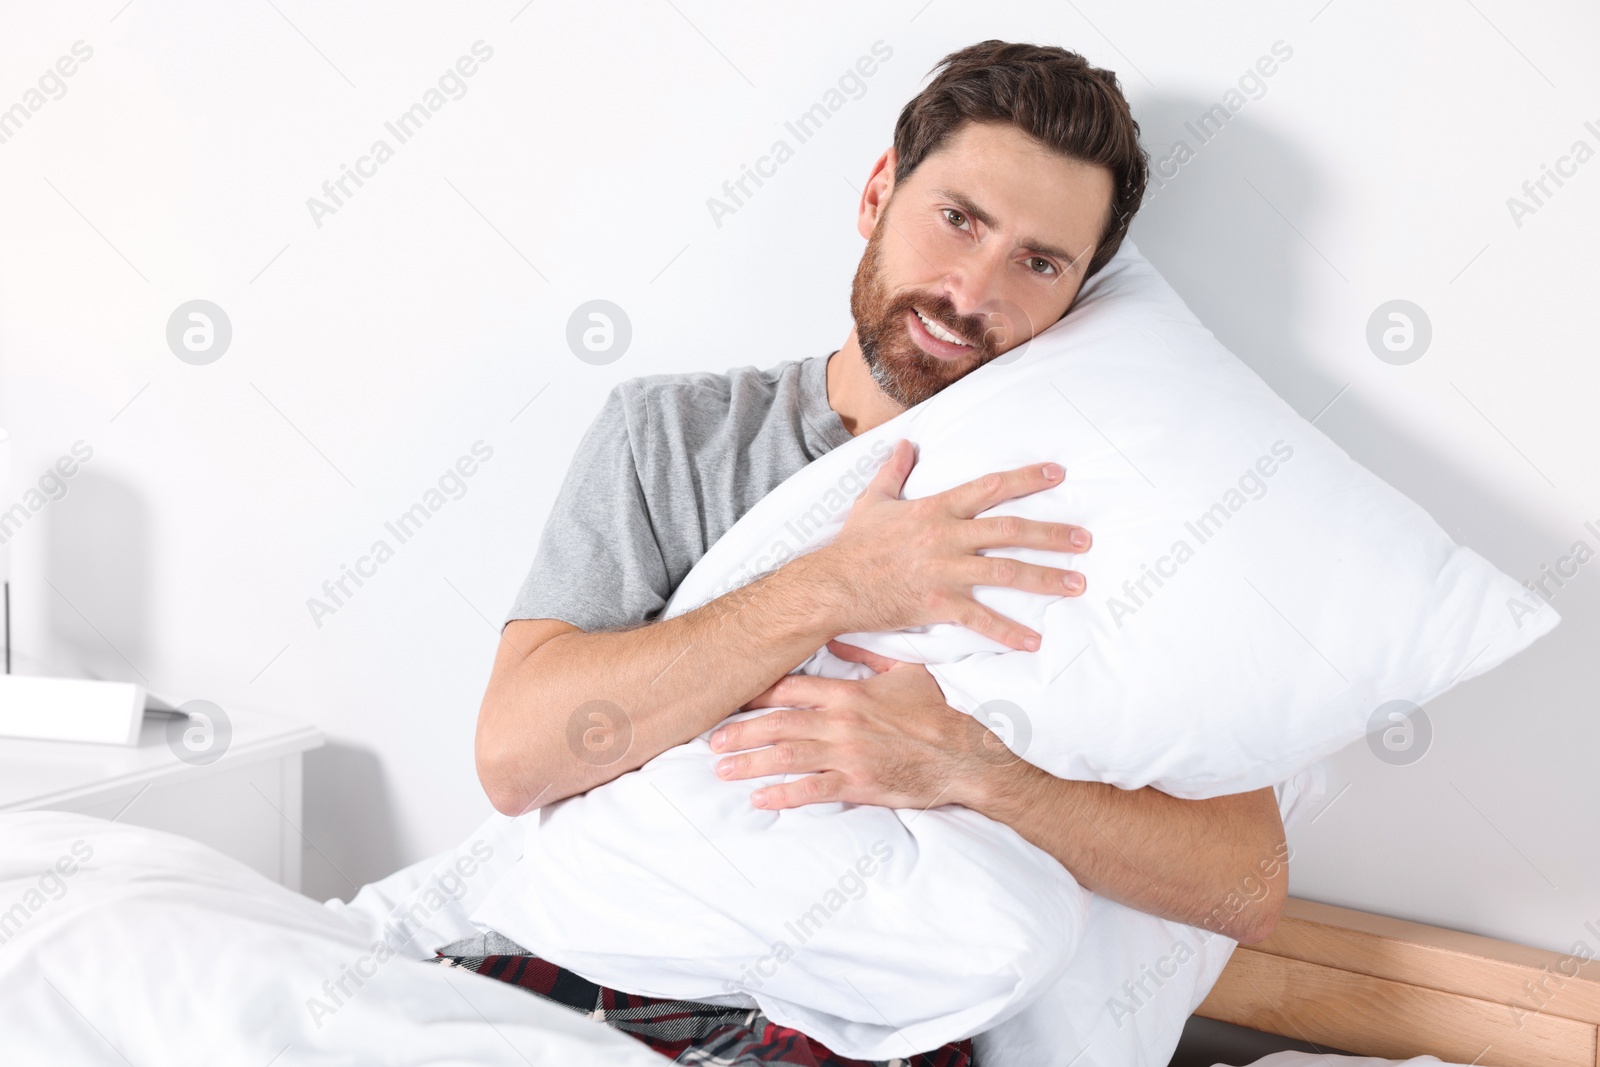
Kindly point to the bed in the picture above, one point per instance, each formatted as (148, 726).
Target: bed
(1377, 986)
(194, 958)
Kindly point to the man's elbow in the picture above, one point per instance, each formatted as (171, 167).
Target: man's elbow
(1257, 922)
(500, 774)
(497, 785)
(1260, 925)
(507, 801)
(1266, 882)
(506, 747)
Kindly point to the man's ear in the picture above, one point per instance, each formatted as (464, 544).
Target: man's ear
(875, 195)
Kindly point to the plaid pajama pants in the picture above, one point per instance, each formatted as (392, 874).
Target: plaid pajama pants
(700, 1035)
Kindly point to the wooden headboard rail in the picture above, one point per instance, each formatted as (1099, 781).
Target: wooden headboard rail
(1386, 987)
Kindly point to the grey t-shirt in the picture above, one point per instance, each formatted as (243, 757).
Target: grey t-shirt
(669, 464)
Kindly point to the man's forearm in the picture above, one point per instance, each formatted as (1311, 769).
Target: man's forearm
(651, 688)
(1221, 863)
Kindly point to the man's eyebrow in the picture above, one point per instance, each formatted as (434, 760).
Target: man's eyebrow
(972, 210)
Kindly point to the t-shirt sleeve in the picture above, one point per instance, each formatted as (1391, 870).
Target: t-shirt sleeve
(598, 564)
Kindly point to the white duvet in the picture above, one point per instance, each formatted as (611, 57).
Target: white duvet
(146, 948)
(121, 945)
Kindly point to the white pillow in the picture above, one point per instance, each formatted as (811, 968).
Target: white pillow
(1255, 596)
(1135, 978)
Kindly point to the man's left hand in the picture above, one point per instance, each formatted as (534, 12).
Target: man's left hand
(889, 740)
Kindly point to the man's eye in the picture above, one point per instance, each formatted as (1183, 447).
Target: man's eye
(954, 217)
(1040, 265)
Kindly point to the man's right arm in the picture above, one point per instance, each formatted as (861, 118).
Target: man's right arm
(657, 686)
(894, 564)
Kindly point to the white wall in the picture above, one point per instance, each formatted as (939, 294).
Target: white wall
(429, 313)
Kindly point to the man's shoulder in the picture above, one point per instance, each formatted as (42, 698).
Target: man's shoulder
(697, 396)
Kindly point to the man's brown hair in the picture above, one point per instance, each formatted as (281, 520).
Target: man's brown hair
(1053, 95)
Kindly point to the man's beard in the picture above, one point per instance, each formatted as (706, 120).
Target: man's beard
(905, 373)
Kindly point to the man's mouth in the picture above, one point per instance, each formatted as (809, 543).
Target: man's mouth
(935, 339)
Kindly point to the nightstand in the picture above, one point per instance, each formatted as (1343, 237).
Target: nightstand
(245, 803)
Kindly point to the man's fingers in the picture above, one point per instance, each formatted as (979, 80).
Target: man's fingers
(981, 620)
(1013, 531)
(981, 494)
(787, 723)
(1029, 577)
(890, 478)
(794, 691)
(785, 757)
(857, 654)
(753, 733)
(823, 788)
(763, 699)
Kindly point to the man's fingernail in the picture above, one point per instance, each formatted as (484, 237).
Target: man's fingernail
(1052, 471)
(717, 739)
(723, 767)
(1079, 539)
(1031, 642)
(759, 798)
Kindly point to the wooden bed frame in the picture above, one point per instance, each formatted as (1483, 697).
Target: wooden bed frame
(1377, 986)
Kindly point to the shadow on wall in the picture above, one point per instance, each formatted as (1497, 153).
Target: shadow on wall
(97, 566)
(1215, 232)
(97, 607)
(350, 816)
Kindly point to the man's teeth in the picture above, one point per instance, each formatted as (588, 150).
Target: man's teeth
(940, 332)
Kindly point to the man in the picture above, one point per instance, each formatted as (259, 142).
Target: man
(1012, 179)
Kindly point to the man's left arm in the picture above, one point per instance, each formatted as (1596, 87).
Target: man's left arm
(891, 739)
(1220, 863)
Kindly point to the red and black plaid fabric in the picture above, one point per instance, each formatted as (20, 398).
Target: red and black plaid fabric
(703, 1035)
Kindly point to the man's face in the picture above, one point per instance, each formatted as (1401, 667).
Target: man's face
(985, 245)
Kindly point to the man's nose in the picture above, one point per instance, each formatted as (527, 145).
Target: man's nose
(976, 282)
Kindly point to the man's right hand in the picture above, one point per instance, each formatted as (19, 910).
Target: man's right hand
(895, 564)
(899, 563)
